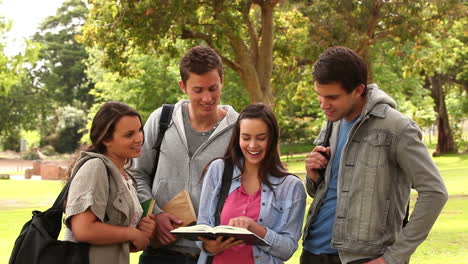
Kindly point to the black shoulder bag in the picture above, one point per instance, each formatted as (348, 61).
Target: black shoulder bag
(164, 121)
(223, 194)
(38, 243)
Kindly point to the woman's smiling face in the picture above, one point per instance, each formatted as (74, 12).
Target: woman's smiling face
(253, 140)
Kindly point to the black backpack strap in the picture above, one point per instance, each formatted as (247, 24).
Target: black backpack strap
(326, 143)
(224, 191)
(223, 194)
(164, 121)
(62, 197)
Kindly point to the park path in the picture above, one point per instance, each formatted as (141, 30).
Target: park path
(14, 165)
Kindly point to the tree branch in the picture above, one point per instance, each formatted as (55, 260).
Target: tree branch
(236, 67)
(372, 25)
(252, 33)
(188, 34)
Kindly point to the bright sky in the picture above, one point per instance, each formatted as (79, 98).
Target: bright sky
(26, 16)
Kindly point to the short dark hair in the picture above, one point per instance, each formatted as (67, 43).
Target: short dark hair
(200, 60)
(103, 125)
(341, 65)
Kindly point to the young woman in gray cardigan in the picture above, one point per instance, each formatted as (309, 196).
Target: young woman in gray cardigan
(102, 206)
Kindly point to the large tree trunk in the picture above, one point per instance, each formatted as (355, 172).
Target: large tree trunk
(364, 52)
(253, 56)
(445, 141)
(265, 58)
(368, 35)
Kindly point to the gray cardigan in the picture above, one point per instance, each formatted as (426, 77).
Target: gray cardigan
(97, 184)
(176, 170)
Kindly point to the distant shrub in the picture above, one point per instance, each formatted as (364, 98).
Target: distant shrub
(48, 150)
(30, 155)
(69, 125)
(11, 141)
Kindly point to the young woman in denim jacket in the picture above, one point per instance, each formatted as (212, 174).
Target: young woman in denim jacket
(102, 207)
(263, 197)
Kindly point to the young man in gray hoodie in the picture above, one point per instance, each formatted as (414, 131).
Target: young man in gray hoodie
(375, 157)
(199, 131)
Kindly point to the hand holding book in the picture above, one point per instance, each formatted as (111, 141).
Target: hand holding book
(177, 212)
(218, 245)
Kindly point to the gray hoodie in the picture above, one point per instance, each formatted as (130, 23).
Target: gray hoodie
(176, 170)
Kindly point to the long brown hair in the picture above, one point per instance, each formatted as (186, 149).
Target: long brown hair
(103, 126)
(271, 164)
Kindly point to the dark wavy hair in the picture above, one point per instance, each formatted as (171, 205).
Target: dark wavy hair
(341, 65)
(271, 164)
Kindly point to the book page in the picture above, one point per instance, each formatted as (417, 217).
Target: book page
(230, 229)
(194, 232)
(194, 228)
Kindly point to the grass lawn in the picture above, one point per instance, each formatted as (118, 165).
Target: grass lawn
(447, 243)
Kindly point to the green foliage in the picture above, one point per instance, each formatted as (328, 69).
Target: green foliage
(442, 55)
(150, 26)
(241, 32)
(294, 148)
(442, 51)
(69, 123)
(457, 102)
(17, 102)
(361, 24)
(8, 77)
(11, 141)
(60, 73)
(153, 83)
(233, 93)
(299, 130)
(292, 73)
(389, 59)
(32, 138)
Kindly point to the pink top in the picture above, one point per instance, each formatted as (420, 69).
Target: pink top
(239, 203)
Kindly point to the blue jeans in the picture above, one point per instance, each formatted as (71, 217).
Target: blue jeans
(154, 256)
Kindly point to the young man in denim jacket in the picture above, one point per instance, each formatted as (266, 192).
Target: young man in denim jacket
(375, 157)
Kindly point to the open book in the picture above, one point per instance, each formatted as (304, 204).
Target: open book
(193, 232)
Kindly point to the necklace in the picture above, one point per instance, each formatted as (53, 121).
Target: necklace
(211, 130)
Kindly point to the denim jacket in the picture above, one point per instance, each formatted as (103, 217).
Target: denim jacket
(382, 160)
(281, 213)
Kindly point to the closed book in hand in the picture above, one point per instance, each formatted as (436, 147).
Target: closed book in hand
(239, 233)
(181, 207)
(148, 206)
